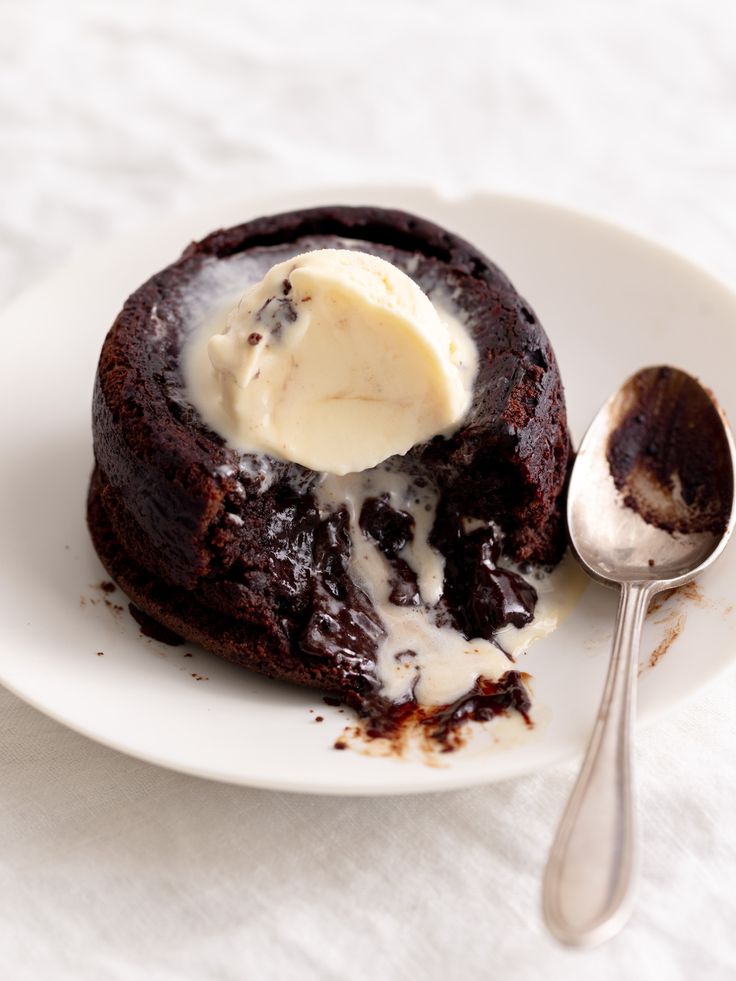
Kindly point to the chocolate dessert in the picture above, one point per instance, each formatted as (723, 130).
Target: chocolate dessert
(255, 557)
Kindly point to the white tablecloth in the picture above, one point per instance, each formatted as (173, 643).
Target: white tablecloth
(115, 114)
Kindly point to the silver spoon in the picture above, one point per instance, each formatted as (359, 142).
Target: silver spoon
(650, 506)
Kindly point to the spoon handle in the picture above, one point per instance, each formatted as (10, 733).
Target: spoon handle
(589, 881)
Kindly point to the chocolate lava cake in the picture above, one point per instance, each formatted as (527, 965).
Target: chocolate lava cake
(231, 551)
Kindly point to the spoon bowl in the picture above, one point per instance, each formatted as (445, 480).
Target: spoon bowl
(650, 506)
(638, 515)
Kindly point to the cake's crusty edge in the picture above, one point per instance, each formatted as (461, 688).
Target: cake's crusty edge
(240, 642)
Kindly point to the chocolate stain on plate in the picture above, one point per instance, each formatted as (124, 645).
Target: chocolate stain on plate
(690, 592)
(673, 618)
(672, 632)
(395, 730)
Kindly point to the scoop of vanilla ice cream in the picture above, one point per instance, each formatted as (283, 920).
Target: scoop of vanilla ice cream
(337, 360)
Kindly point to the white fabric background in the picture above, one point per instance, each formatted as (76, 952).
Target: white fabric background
(116, 114)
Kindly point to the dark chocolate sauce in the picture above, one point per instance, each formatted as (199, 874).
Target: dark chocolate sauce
(482, 596)
(404, 585)
(441, 725)
(343, 626)
(391, 529)
(485, 700)
(347, 634)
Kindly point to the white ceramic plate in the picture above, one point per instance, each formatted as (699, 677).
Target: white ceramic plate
(610, 303)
